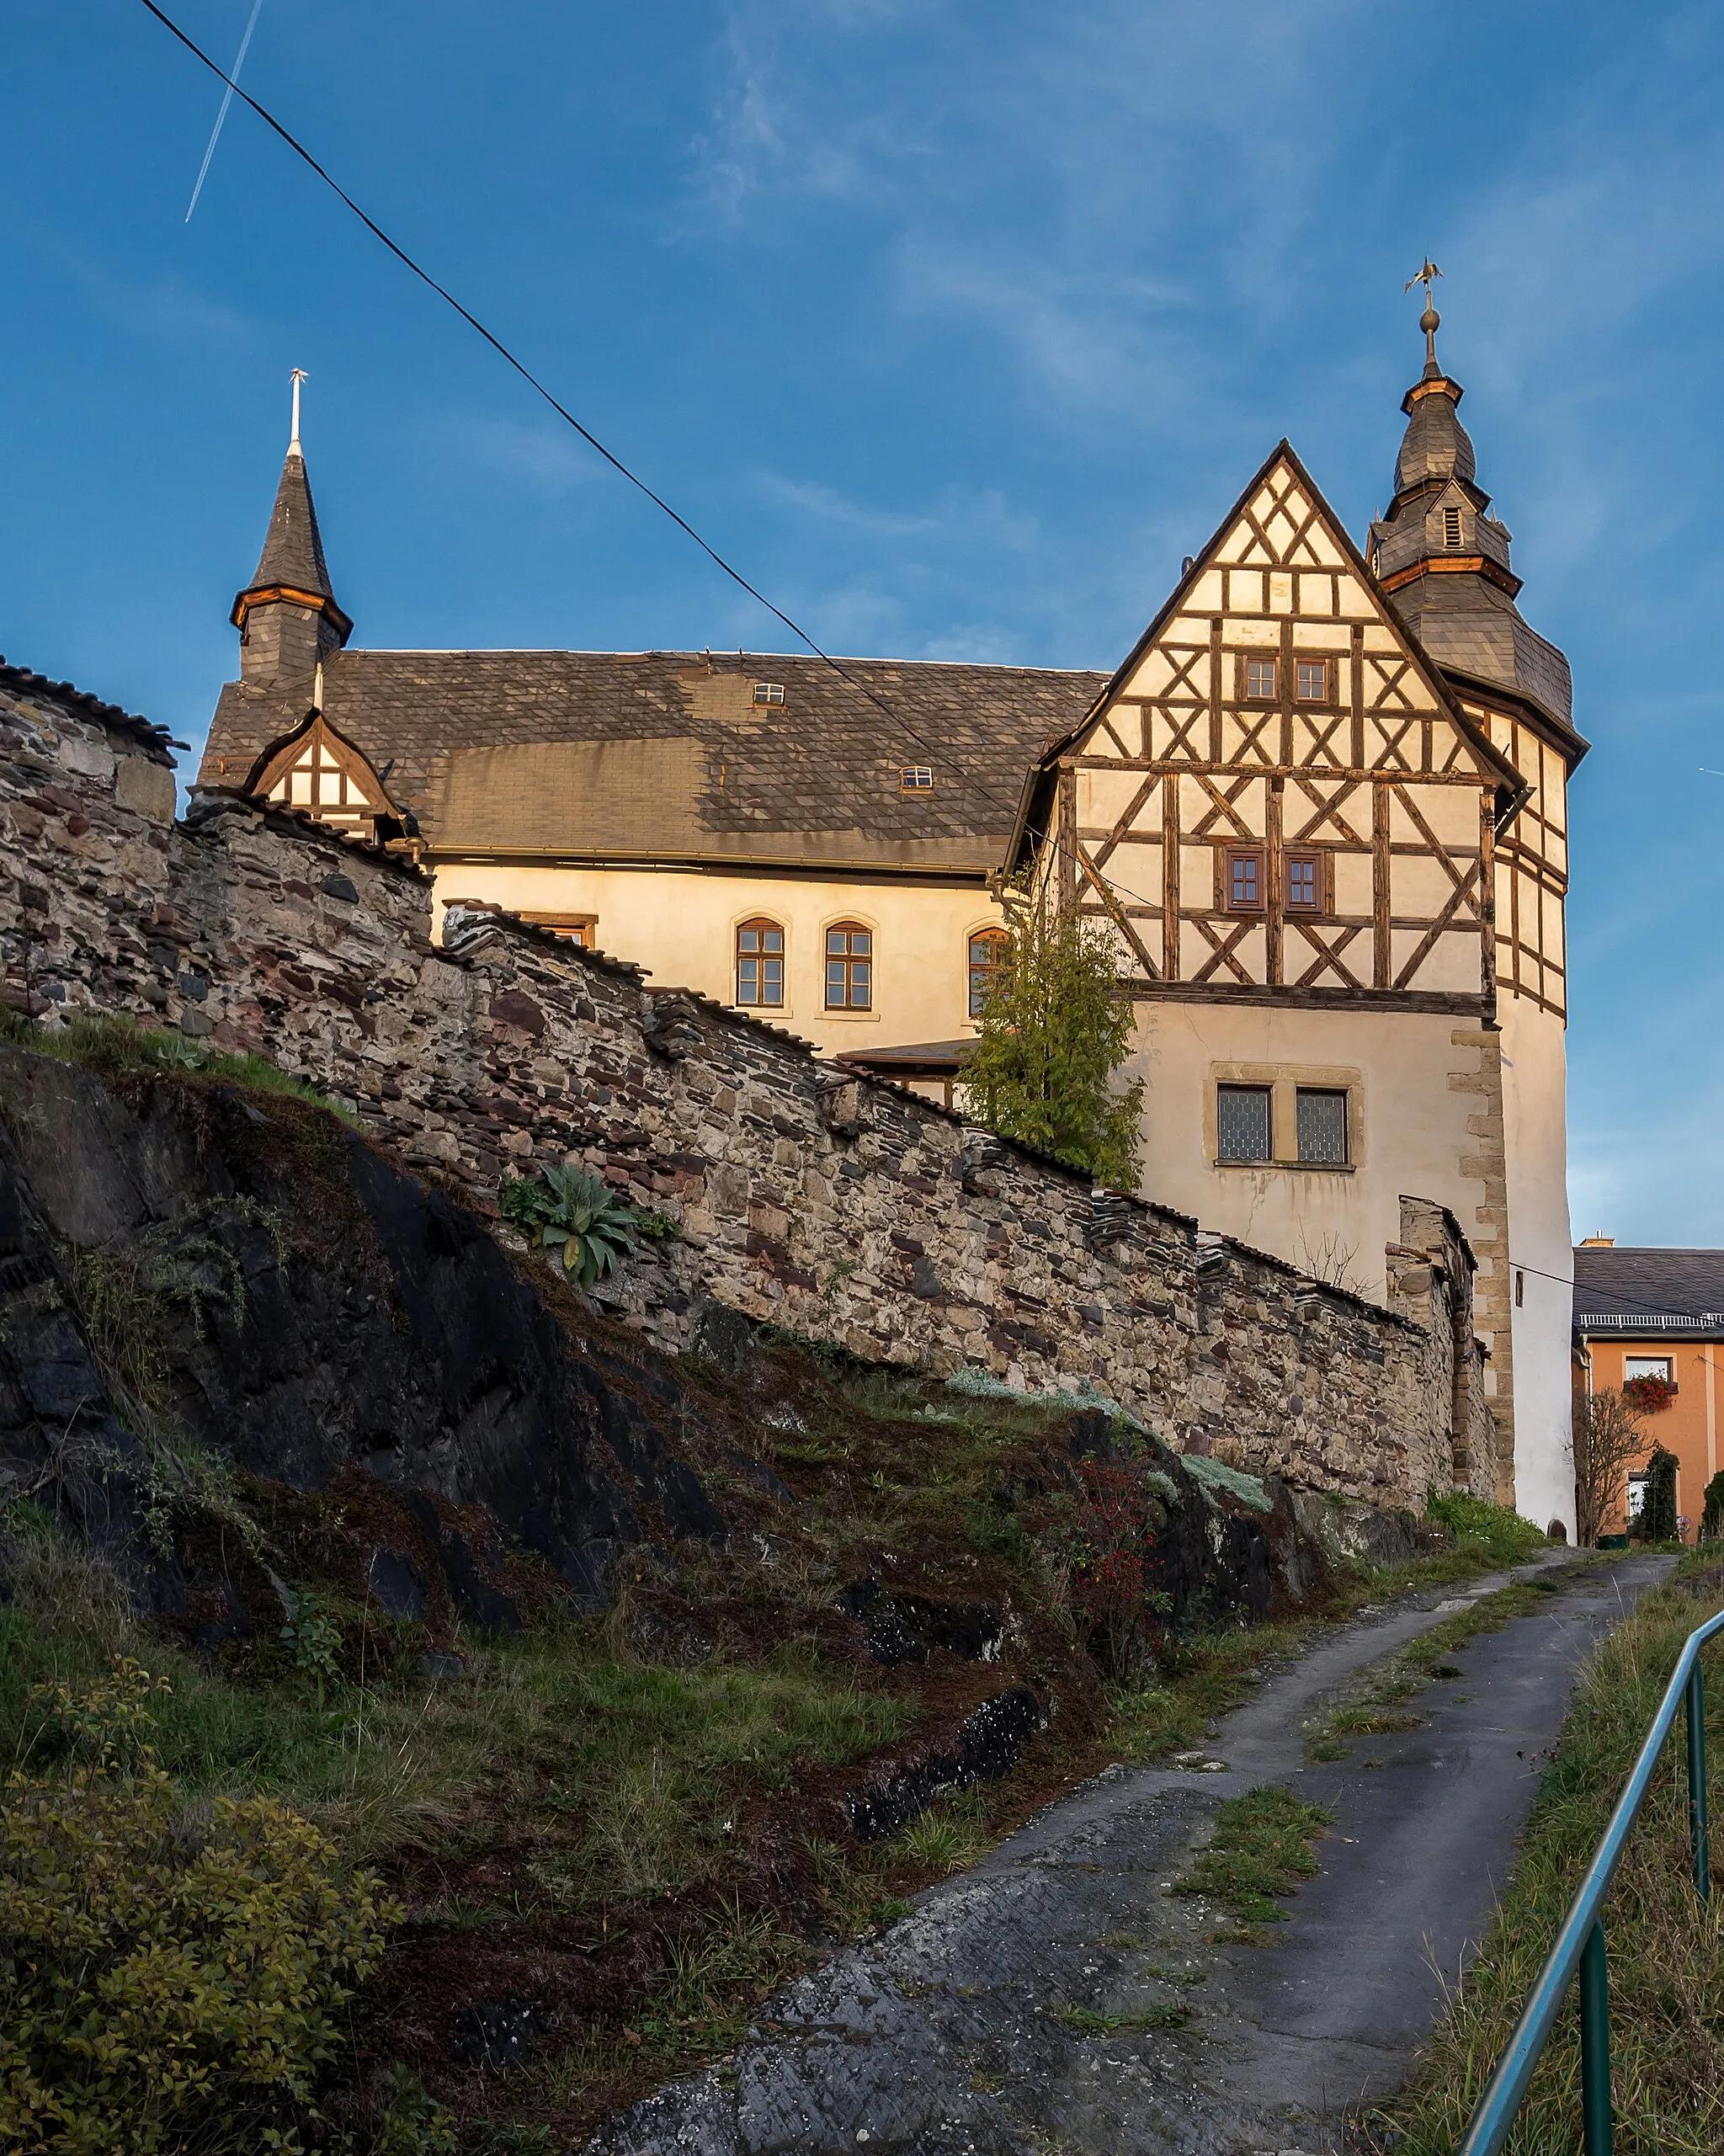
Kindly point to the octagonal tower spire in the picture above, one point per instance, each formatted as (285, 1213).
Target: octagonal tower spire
(287, 615)
(1442, 559)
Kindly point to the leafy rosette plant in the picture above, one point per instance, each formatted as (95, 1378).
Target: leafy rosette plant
(563, 1209)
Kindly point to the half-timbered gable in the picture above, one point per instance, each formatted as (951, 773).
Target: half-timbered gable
(317, 770)
(1277, 791)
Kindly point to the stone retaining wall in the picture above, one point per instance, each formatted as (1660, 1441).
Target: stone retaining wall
(829, 1203)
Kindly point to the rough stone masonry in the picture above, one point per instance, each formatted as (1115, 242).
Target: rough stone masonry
(833, 1205)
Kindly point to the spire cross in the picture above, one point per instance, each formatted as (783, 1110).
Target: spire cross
(1430, 321)
(298, 375)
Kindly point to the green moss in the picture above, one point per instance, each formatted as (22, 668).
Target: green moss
(119, 1048)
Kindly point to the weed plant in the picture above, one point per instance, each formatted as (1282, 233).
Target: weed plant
(1260, 1849)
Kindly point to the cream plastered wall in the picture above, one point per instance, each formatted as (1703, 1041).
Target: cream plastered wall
(1408, 1127)
(1541, 1258)
(681, 925)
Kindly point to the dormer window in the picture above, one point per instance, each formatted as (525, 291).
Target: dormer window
(768, 692)
(915, 779)
(1451, 525)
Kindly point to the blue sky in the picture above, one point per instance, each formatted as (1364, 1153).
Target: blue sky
(956, 322)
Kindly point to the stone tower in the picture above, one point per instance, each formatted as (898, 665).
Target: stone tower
(1443, 559)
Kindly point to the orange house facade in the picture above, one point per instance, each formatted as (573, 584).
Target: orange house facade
(1653, 1313)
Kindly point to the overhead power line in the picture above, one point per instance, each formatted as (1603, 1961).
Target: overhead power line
(1009, 807)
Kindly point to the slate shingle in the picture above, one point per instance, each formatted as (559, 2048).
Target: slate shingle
(814, 777)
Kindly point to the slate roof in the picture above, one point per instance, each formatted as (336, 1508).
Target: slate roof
(1467, 622)
(1435, 445)
(1473, 627)
(920, 1059)
(666, 755)
(293, 546)
(1642, 1290)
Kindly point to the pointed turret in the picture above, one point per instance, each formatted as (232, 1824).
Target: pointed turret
(1443, 558)
(286, 616)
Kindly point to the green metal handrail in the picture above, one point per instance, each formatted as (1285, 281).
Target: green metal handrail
(1580, 1944)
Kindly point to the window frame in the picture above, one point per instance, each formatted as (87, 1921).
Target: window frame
(1227, 855)
(761, 958)
(581, 930)
(1326, 695)
(849, 959)
(1245, 693)
(1266, 1093)
(1343, 1093)
(768, 692)
(915, 779)
(1666, 1371)
(1321, 903)
(981, 974)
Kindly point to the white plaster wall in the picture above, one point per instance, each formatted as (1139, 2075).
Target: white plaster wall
(1540, 1256)
(681, 926)
(1410, 1136)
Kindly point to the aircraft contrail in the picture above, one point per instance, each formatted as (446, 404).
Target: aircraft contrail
(227, 100)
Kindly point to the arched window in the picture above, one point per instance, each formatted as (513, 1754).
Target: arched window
(849, 966)
(760, 965)
(989, 948)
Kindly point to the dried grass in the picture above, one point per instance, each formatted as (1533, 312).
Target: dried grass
(1665, 1948)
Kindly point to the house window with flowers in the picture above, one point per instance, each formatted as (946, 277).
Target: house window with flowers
(1648, 1383)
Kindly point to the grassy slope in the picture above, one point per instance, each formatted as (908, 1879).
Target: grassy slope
(638, 1816)
(1665, 1949)
(655, 1837)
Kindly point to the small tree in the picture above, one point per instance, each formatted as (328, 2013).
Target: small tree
(1712, 1509)
(1608, 1441)
(1054, 1031)
(1656, 1521)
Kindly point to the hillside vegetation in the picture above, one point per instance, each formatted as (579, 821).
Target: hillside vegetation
(496, 1710)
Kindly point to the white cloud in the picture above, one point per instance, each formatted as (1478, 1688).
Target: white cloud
(550, 458)
(981, 518)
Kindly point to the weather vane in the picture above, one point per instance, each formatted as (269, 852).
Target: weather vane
(1430, 321)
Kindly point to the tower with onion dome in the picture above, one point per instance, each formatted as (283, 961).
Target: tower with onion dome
(1442, 559)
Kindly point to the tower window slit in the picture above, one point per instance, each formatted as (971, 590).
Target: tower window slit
(1451, 525)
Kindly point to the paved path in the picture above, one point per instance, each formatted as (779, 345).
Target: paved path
(943, 2034)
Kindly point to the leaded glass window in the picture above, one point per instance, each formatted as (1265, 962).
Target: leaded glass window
(1242, 1122)
(1322, 1127)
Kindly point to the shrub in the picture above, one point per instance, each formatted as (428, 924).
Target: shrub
(169, 1977)
(580, 1214)
(1118, 1509)
(1712, 1509)
(1480, 1529)
(1656, 1520)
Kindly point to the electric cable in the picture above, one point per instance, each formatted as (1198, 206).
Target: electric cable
(1652, 1309)
(633, 477)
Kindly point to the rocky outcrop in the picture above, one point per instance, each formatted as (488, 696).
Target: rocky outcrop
(278, 1294)
(813, 1199)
